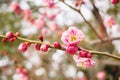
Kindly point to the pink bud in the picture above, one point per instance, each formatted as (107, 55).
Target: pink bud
(37, 46)
(12, 39)
(89, 55)
(82, 53)
(76, 4)
(57, 45)
(4, 40)
(17, 34)
(40, 37)
(22, 47)
(9, 35)
(44, 47)
(72, 49)
(114, 1)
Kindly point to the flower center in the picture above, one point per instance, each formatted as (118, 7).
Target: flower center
(73, 38)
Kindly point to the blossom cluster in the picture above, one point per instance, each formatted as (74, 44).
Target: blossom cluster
(21, 74)
(10, 36)
(40, 21)
(72, 37)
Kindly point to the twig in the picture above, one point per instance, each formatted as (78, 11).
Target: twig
(84, 20)
(105, 40)
(98, 17)
(63, 48)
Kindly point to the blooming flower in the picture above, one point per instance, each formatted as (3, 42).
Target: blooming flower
(27, 14)
(39, 23)
(83, 62)
(72, 36)
(49, 3)
(101, 75)
(15, 7)
(109, 22)
(53, 26)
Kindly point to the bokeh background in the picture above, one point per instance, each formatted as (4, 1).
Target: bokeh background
(57, 64)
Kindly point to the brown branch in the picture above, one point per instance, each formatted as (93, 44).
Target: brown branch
(63, 48)
(105, 40)
(98, 18)
(84, 19)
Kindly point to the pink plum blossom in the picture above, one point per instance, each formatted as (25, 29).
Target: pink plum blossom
(53, 15)
(114, 1)
(83, 62)
(27, 14)
(39, 23)
(72, 36)
(53, 26)
(109, 22)
(15, 7)
(49, 3)
(101, 75)
(45, 31)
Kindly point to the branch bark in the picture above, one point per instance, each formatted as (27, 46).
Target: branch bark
(63, 48)
(105, 40)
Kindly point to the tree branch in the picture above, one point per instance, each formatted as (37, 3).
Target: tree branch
(105, 40)
(63, 48)
(84, 20)
(98, 17)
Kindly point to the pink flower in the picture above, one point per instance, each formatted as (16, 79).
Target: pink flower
(45, 31)
(22, 47)
(27, 14)
(83, 62)
(49, 3)
(101, 75)
(109, 22)
(39, 23)
(44, 47)
(15, 7)
(72, 36)
(114, 1)
(53, 26)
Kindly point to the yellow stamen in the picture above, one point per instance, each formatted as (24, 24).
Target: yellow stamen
(73, 38)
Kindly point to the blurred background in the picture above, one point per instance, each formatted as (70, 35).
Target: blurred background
(50, 18)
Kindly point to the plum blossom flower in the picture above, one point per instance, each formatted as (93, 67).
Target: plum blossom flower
(53, 26)
(83, 62)
(40, 22)
(21, 74)
(109, 22)
(101, 75)
(49, 3)
(16, 8)
(27, 14)
(72, 36)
